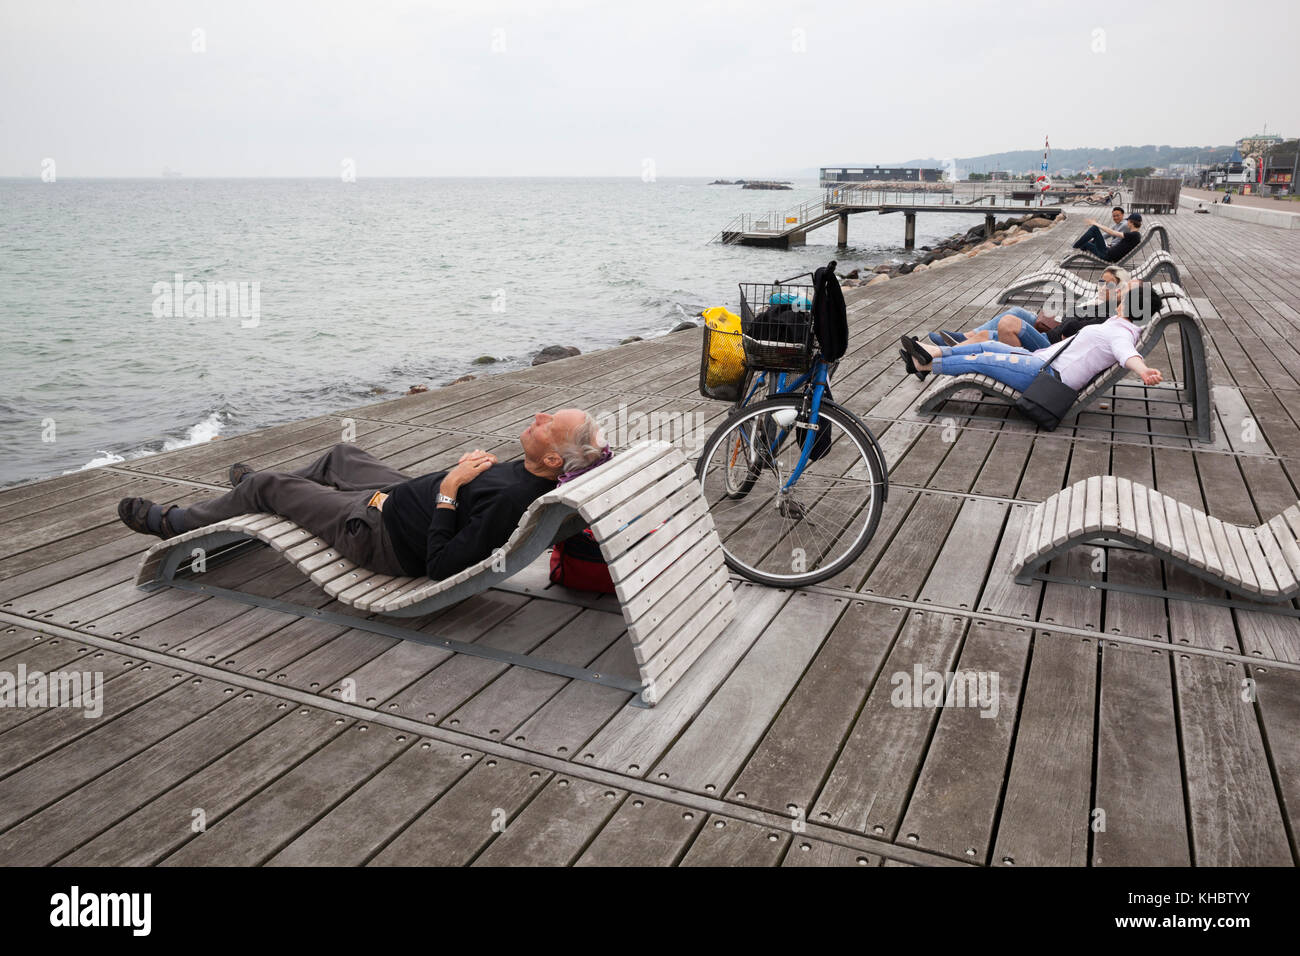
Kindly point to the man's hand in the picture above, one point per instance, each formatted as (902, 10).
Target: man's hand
(1092, 222)
(471, 465)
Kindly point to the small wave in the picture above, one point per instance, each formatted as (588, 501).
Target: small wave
(104, 458)
(205, 430)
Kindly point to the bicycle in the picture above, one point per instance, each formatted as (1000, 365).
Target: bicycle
(794, 481)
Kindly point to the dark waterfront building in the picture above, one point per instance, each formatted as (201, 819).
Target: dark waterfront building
(866, 174)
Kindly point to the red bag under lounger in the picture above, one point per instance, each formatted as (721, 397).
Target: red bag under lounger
(576, 562)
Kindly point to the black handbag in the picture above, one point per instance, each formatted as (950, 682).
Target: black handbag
(1047, 399)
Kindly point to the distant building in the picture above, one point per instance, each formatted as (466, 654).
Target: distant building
(867, 174)
(1237, 170)
(1281, 165)
(1256, 145)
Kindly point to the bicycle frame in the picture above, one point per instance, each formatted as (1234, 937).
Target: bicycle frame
(819, 377)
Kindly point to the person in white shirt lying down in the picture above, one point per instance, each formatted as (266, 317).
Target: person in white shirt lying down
(1094, 349)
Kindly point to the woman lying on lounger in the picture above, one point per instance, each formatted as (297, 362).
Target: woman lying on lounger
(1093, 350)
(1014, 325)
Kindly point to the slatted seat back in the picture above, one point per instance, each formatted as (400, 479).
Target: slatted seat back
(1261, 562)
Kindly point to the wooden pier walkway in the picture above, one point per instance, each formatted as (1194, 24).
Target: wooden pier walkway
(1128, 729)
(790, 227)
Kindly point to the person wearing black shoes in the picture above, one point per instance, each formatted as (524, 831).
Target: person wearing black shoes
(378, 518)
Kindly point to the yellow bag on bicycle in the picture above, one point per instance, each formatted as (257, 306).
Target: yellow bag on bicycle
(726, 354)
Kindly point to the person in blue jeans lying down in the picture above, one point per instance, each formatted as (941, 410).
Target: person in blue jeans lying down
(1093, 350)
(1014, 325)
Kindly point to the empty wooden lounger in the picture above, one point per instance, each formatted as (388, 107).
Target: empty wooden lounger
(1038, 287)
(672, 584)
(1261, 563)
(1176, 310)
(1155, 235)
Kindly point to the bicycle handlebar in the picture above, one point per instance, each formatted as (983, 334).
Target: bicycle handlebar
(830, 265)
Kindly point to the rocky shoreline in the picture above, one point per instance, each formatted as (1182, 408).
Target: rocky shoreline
(960, 245)
(754, 183)
(973, 242)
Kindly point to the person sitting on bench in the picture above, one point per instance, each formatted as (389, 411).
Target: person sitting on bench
(378, 518)
(1095, 349)
(1121, 243)
(1015, 325)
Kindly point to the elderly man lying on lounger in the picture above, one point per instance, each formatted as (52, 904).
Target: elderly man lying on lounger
(377, 517)
(1090, 352)
(1014, 325)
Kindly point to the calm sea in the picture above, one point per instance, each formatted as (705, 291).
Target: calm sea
(348, 291)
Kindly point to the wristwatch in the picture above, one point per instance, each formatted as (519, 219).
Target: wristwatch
(446, 500)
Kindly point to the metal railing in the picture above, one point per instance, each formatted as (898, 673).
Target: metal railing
(774, 222)
(814, 212)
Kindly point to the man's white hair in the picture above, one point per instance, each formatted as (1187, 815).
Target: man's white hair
(583, 446)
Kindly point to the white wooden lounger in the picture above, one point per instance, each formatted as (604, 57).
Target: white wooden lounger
(1261, 563)
(1156, 234)
(1176, 310)
(672, 584)
(1038, 286)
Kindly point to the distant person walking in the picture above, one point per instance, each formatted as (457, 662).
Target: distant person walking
(1122, 240)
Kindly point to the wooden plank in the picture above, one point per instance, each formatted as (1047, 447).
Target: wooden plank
(632, 740)
(1236, 816)
(515, 695)
(158, 827)
(555, 827)
(717, 742)
(955, 804)
(462, 822)
(1277, 694)
(449, 685)
(1045, 811)
(788, 766)
(727, 842)
(644, 832)
(1139, 775)
(254, 831)
(354, 830)
(871, 782)
(805, 851)
(962, 565)
(95, 805)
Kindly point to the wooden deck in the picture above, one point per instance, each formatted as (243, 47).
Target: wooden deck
(296, 741)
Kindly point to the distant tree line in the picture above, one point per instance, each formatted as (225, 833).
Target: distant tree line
(1110, 175)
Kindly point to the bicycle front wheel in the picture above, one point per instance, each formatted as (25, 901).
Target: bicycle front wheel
(783, 533)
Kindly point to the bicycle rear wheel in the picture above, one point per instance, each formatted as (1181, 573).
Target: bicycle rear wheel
(810, 531)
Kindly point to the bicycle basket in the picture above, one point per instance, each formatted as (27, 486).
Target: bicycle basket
(722, 360)
(776, 322)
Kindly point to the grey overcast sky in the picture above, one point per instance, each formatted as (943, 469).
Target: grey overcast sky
(487, 87)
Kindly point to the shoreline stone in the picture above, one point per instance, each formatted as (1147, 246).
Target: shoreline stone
(553, 353)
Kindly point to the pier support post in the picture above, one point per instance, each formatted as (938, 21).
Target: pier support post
(989, 221)
(909, 230)
(842, 239)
